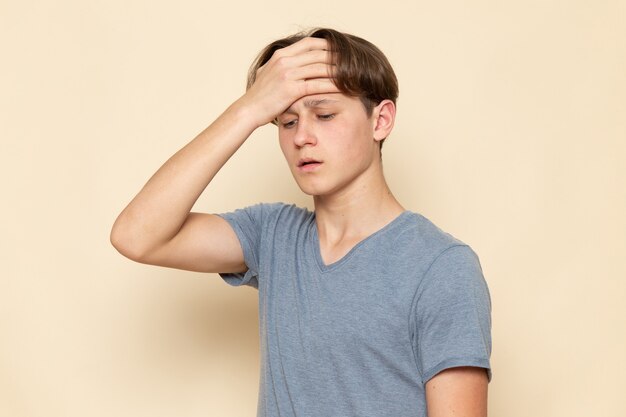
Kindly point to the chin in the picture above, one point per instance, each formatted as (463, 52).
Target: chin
(318, 189)
(311, 189)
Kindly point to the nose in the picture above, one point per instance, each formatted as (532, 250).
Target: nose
(304, 134)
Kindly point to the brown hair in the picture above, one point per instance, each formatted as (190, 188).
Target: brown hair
(362, 70)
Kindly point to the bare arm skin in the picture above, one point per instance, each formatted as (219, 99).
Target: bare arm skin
(157, 226)
(457, 392)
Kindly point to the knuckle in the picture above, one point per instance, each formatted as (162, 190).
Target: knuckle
(281, 61)
(278, 54)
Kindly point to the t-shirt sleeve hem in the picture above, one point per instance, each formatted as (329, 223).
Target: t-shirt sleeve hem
(240, 278)
(457, 362)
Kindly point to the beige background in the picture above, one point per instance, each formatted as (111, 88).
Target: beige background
(510, 136)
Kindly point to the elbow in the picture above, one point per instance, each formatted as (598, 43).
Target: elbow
(125, 243)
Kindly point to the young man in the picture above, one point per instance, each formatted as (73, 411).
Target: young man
(365, 309)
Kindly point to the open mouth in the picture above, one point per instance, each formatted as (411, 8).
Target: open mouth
(308, 163)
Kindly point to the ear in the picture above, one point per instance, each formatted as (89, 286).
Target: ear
(383, 115)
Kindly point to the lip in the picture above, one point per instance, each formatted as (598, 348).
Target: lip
(308, 164)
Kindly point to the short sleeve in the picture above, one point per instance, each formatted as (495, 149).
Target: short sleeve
(248, 224)
(451, 320)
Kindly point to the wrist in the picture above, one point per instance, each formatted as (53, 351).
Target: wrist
(247, 113)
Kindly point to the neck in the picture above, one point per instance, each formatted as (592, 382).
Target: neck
(356, 212)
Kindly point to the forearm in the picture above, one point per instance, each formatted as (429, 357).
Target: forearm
(158, 211)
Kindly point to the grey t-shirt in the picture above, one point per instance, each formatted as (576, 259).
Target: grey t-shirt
(363, 335)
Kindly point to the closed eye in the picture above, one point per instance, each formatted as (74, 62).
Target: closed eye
(289, 124)
(325, 116)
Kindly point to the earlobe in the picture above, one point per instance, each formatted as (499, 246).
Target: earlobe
(384, 116)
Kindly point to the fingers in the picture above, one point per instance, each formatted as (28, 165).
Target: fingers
(303, 45)
(309, 64)
(318, 86)
(304, 52)
(315, 70)
(293, 66)
(308, 58)
(303, 68)
(296, 65)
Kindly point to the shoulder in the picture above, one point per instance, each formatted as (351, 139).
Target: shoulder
(422, 235)
(434, 254)
(449, 269)
(268, 213)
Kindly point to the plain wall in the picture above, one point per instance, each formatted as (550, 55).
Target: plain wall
(510, 136)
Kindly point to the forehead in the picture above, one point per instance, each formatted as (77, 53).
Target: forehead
(322, 100)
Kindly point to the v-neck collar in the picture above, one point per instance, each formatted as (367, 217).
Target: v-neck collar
(317, 252)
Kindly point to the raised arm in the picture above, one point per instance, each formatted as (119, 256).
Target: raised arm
(157, 226)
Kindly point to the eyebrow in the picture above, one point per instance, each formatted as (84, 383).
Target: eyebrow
(310, 103)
